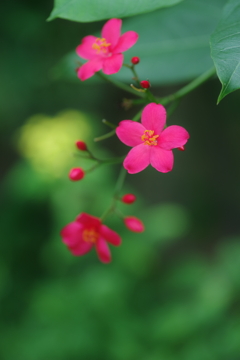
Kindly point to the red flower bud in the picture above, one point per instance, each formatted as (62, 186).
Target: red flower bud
(181, 148)
(128, 198)
(134, 224)
(76, 174)
(81, 145)
(145, 84)
(135, 60)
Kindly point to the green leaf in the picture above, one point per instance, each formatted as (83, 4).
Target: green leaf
(94, 10)
(225, 48)
(173, 44)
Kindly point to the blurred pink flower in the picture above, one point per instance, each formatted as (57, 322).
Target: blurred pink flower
(151, 144)
(105, 53)
(87, 231)
(134, 224)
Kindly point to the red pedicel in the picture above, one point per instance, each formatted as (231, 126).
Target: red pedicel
(135, 60)
(76, 174)
(81, 145)
(128, 198)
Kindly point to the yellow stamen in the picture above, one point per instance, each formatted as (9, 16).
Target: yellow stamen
(149, 138)
(101, 45)
(90, 236)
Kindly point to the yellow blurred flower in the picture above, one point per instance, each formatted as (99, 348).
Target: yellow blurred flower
(49, 142)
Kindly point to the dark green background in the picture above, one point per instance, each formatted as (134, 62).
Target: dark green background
(171, 293)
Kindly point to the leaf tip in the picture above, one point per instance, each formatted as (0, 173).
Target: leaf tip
(221, 96)
(51, 17)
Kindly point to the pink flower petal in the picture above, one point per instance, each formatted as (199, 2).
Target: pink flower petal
(82, 248)
(111, 236)
(103, 250)
(173, 137)
(161, 160)
(126, 41)
(154, 117)
(88, 69)
(130, 132)
(85, 49)
(112, 64)
(111, 31)
(137, 159)
(72, 233)
(88, 220)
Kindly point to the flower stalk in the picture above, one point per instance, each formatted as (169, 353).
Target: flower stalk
(189, 87)
(112, 207)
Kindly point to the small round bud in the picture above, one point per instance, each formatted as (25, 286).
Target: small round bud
(145, 84)
(81, 145)
(181, 148)
(134, 224)
(76, 174)
(135, 60)
(128, 198)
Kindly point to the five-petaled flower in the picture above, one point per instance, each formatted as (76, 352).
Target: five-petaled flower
(152, 144)
(87, 231)
(105, 53)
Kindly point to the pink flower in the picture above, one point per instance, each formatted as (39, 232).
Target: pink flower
(134, 224)
(105, 53)
(87, 231)
(151, 144)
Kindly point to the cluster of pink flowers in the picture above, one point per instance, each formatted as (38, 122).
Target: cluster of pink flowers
(151, 141)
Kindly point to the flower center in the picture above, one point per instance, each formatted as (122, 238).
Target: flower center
(149, 138)
(90, 236)
(101, 46)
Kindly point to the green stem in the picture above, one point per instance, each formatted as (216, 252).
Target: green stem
(135, 75)
(115, 160)
(173, 107)
(189, 87)
(120, 181)
(128, 66)
(105, 136)
(119, 84)
(108, 123)
(137, 116)
(82, 156)
(119, 213)
(118, 188)
(151, 97)
(148, 95)
(93, 168)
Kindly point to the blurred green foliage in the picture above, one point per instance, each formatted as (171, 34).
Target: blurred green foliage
(170, 293)
(83, 11)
